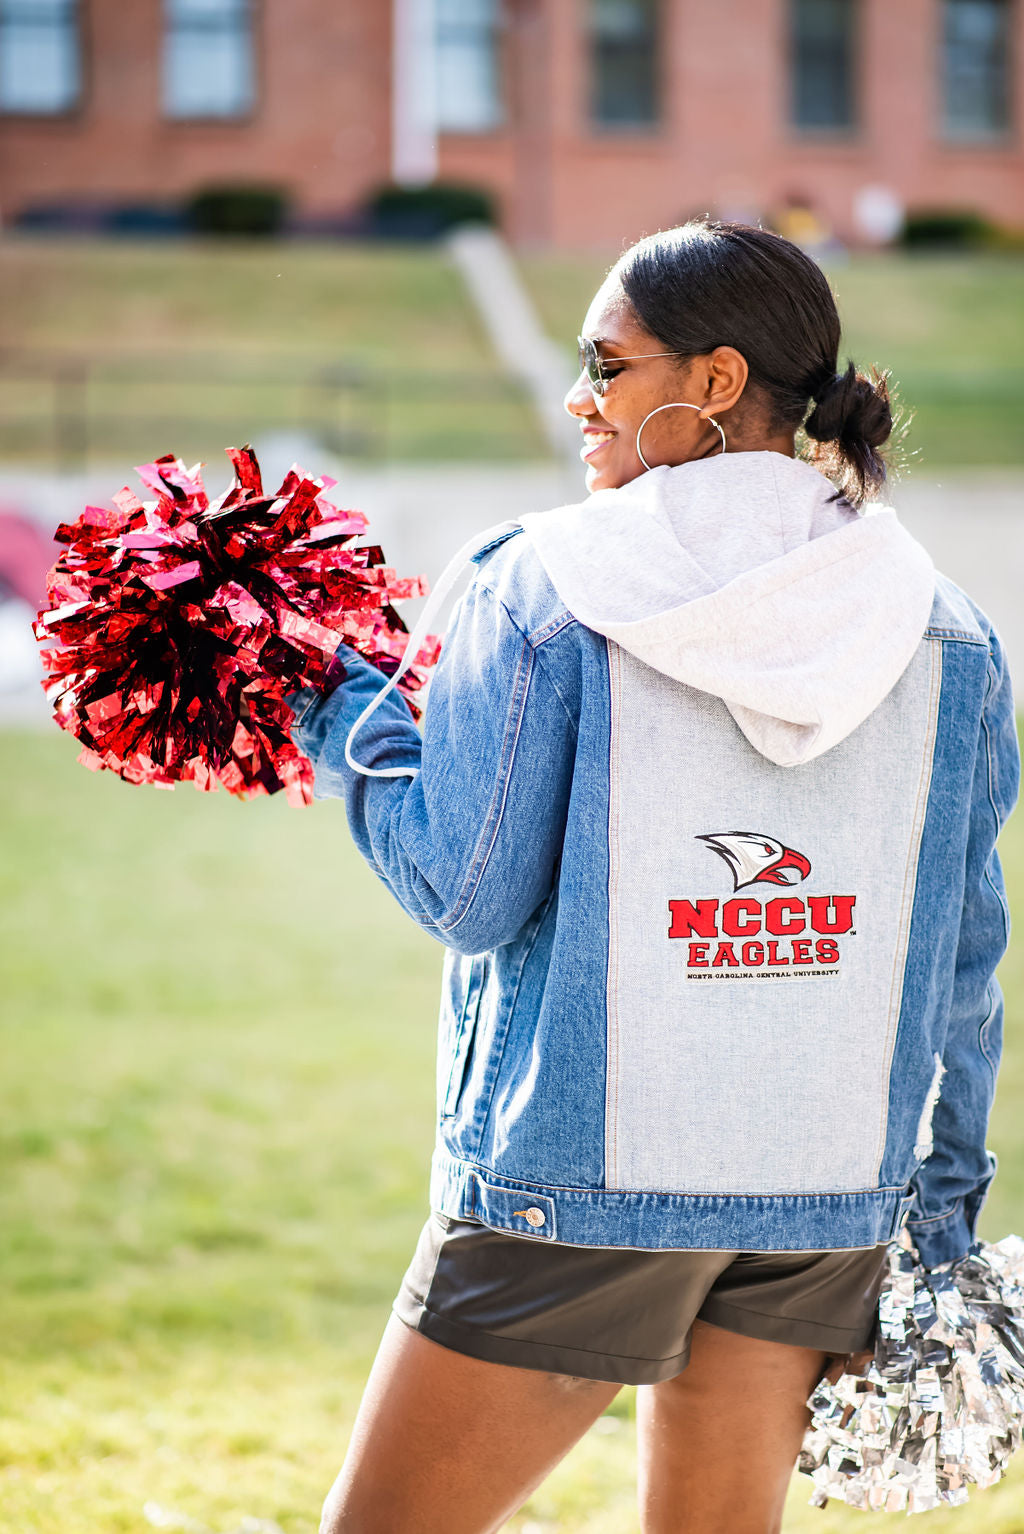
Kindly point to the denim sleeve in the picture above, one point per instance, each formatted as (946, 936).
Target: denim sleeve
(950, 1186)
(468, 845)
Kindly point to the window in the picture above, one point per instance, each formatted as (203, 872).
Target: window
(40, 65)
(823, 45)
(468, 71)
(976, 68)
(624, 42)
(208, 63)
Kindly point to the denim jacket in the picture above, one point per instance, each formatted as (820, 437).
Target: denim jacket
(707, 826)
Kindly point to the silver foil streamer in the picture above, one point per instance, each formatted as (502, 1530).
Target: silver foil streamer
(941, 1404)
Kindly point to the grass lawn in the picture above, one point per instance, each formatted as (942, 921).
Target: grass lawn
(215, 1118)
(121, 351)
(948, 327)
(190, 346)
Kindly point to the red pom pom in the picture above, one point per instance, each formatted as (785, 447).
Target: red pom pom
(182, 625)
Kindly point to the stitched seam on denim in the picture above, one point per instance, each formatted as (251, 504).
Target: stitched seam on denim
(484, 1108)
(612, 1029)
(899, 961)
(460, 1038)
(990, 768)
(552, 683)
(991, 995)
(513, 1184)
(489, 836)
(548, 630)
(535, 646)
(311, 699)
(527, 1235)
(321, 714)
(603, 1246)
(936, 1219)
(961, 634)
(496, 1187)
(540, 637)
(552, 1347)
(543, 669)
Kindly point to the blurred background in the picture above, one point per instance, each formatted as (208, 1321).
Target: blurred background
(363, 235)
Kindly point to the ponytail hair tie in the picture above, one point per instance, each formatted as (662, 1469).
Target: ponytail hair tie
(828, 383)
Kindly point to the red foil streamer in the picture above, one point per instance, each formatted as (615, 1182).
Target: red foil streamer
(181, 625)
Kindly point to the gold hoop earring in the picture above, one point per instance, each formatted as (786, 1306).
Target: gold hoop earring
(679, 404)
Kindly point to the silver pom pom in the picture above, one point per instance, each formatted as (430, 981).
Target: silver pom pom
(941, 1404)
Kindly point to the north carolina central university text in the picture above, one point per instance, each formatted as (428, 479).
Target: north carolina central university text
(784, 932)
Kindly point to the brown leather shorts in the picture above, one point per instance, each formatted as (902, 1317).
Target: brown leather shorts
(603, 1313)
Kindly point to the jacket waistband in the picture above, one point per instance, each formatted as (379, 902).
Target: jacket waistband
(599, 1217)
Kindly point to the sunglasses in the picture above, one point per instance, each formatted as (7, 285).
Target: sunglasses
(593, 364)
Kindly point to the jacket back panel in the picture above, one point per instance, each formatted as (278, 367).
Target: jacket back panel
(758, 926)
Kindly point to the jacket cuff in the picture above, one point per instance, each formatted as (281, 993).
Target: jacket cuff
(301, 702)
(947, 1237)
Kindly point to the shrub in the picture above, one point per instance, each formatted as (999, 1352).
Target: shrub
(426, 212)
(947, 228)
(238, 210)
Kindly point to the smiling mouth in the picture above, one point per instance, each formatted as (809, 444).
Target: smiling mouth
(592, 440)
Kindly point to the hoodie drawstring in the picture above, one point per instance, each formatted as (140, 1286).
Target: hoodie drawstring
(452, 570)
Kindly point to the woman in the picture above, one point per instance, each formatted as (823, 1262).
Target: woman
(704, 811)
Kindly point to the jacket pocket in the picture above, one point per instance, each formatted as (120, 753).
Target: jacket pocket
(462, 1043)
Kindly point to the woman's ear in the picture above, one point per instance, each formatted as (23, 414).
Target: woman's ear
(725, 378)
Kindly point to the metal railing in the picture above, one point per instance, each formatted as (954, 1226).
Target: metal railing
(65, 409)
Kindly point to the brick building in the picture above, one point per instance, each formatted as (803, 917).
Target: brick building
(591, 120)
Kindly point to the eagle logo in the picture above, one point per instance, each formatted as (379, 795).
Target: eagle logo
(757, 859)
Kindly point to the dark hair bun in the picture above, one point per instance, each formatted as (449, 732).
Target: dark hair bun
(852, 417)
(851, 405)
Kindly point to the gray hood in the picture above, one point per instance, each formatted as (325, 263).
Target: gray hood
(737, 574)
